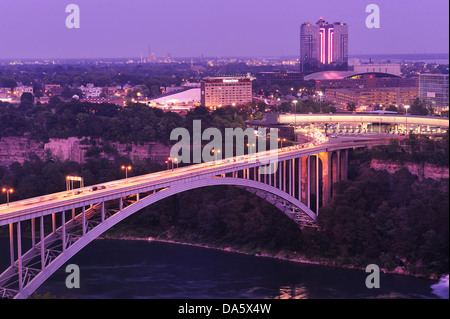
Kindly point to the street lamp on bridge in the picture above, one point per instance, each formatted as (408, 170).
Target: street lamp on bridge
(295, 115)
(249, 146)
(406, 126)
(71, 179)
(215, 153)
(126, 169)
(7, 191)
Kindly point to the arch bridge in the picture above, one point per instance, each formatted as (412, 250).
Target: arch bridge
(298, 180)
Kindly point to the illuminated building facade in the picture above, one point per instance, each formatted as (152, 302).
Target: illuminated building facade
(434, 90)
(218, 91)
(277, 77)
(323, 46)
(365, 98)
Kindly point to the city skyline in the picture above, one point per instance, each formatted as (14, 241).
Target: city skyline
(179, 28)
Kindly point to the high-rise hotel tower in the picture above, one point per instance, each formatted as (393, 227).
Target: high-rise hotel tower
(323, 46)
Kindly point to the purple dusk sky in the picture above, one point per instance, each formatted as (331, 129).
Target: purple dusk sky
(125, 28)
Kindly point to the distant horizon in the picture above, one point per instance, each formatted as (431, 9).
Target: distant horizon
(439, 55)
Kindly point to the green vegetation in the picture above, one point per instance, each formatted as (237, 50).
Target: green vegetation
(305, 107)
(391, 220)
(416, 149)
(135, 123)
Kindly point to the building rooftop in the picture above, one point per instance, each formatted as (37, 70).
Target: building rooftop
(185, 97)
(340, 75)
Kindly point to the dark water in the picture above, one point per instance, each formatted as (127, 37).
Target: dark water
(139, 269)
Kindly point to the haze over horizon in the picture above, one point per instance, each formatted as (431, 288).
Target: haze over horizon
(118, 29)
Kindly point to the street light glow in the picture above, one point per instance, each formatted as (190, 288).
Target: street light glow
(126, 169)
(7, 191)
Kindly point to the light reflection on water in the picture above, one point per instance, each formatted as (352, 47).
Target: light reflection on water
(288, 292)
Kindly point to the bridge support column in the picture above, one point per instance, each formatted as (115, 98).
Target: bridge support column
(305, 180)
(42, 243)
(103, 211)
(33, 232)
(338, 168)
(19, 256)
(53, 222)
(279, 175)
(290, 177)
(343, 162)
(299, 179)
(83, 220)
(326, 177)
(11, 243)
(317, 181)
(63, 228)
(293, 177)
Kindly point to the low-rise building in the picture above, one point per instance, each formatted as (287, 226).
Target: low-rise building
(269, 78)
(223, 91)
(364, 98)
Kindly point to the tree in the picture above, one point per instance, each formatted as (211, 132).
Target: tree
(9, 83)
(261, 106)
(285, 107)
(418, 107)
(351, 106)
(27, 98)
(391, 108)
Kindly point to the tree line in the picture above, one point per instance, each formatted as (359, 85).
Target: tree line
(134, 123)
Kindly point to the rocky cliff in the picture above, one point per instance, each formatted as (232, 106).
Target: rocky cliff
(424, 170)
(20, 149)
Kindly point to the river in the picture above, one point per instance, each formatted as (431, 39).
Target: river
(124, 269)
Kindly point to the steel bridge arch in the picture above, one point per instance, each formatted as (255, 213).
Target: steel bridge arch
(288, 204)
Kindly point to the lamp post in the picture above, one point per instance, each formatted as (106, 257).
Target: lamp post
(281, 140)
(406, 126)
(215, 153)
(176, 161)
(7, 191)
(320, 100)
(126, 168)
(295, 115)
(250, 148)
(169, 160)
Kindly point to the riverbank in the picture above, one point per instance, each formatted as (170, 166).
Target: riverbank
(282, 255)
